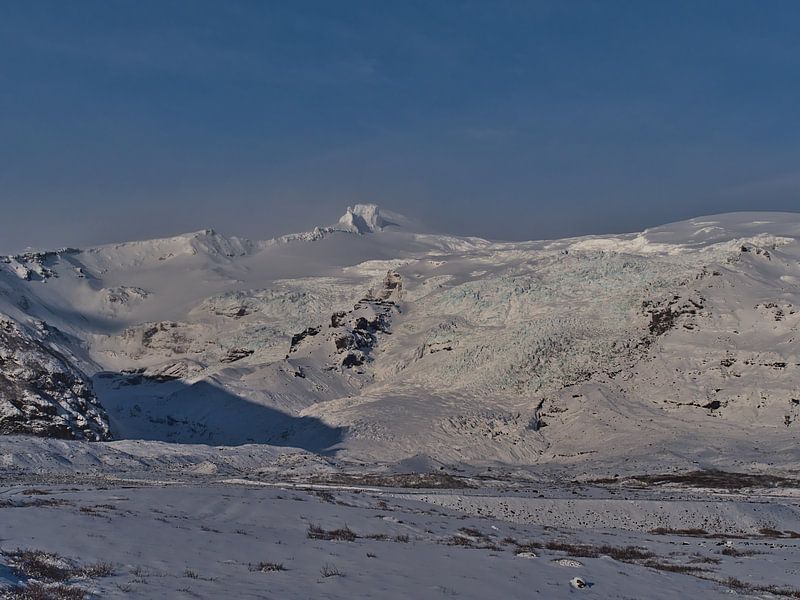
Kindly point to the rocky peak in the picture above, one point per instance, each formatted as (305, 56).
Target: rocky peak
(363, 218)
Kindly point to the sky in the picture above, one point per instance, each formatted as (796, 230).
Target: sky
(132, 119)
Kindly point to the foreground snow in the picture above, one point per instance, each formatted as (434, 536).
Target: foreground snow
(211, 539)
(148, 519)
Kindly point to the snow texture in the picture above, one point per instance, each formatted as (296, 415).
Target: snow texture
(612, 390)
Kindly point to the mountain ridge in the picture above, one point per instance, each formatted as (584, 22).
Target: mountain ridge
(509, 352)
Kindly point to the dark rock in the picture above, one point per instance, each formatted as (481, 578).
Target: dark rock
(663, 317)
(353, 360)
(235, 354)
(299, 337)
(344, 342)
(42, 393)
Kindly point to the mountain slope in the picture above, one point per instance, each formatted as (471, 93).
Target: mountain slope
(41, 393)
(373, 342)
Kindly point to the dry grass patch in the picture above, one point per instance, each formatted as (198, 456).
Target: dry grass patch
(662, 566)
(719, 480)
(49, 567)
(44, 566)
(41, 591)
(742, 586)
(669, 531)
(731, 551)
(345, 534)
(700, 559)
(623, 554)
(267, 567)
(330, 571)
(399, 480)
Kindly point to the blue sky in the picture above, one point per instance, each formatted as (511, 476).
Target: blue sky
(516, 120)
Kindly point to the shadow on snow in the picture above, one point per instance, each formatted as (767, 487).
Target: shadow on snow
(204, 413)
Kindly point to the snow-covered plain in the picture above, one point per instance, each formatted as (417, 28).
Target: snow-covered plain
(584, 389)
(209, 539)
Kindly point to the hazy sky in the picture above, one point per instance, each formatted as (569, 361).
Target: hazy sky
(132, 119)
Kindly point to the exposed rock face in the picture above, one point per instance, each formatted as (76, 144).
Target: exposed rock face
(352, 335)
(42, 394)
(36, 266)
(371, 316)
(235, 354)
(299, 337)
(665, 315)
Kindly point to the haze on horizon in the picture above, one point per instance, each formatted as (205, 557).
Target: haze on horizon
(512, 120)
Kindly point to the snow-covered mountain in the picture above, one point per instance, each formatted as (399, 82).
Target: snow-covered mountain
(372, 342)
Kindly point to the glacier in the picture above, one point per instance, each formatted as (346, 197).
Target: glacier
(643, 386)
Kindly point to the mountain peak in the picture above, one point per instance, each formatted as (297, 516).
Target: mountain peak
(364, 218)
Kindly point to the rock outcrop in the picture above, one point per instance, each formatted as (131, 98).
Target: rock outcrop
(42, 394)
(352, 335)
